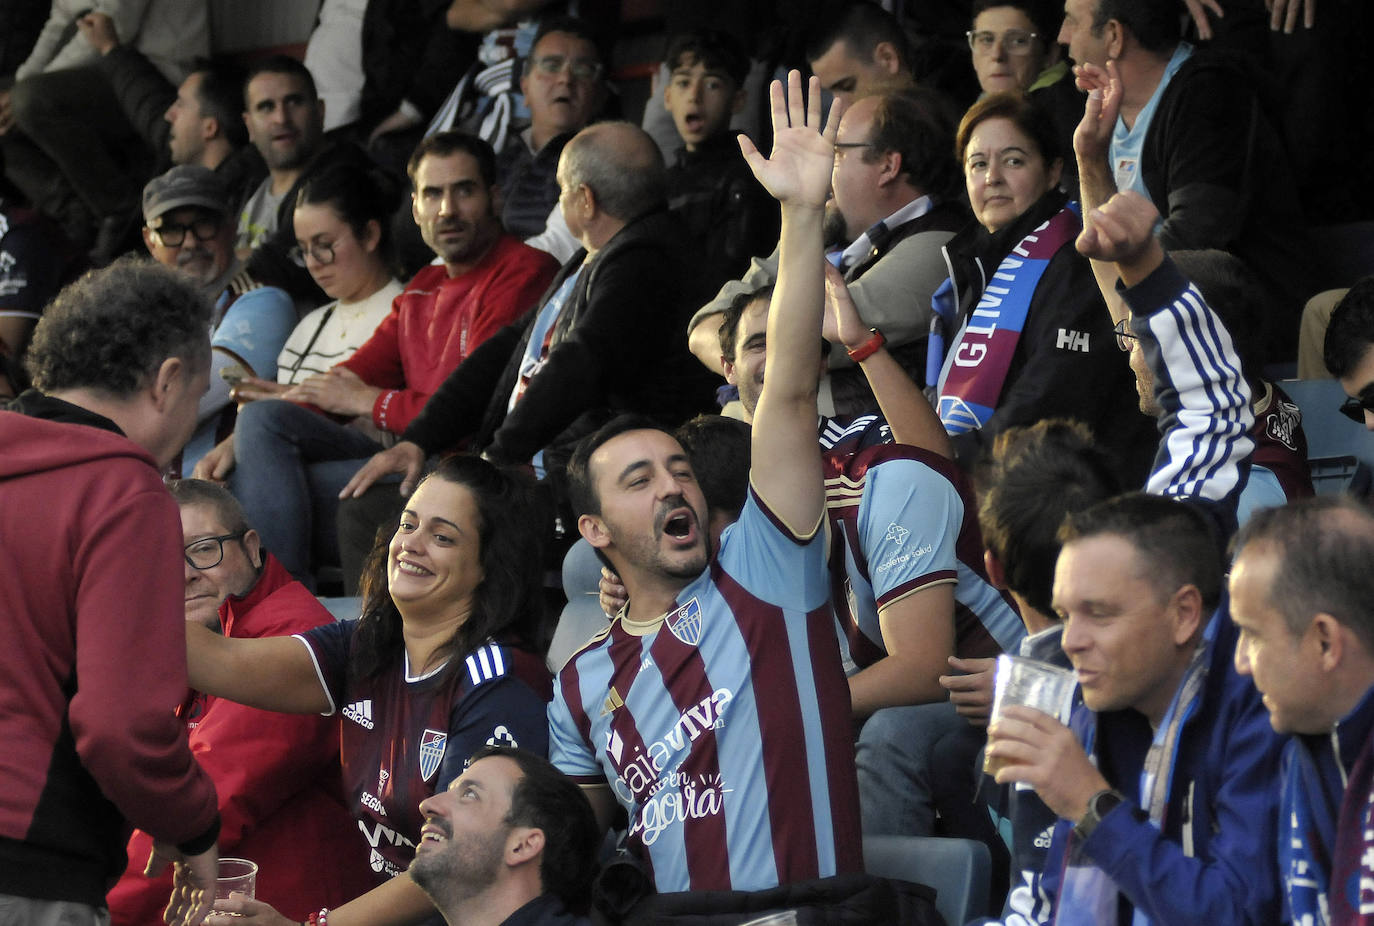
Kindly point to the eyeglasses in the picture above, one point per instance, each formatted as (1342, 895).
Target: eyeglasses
(842, 146)
(171, 236)
(579, 68)
(322, 251)
(1354, 408)
(208, 552)
(1014, 41)
(1124, 336)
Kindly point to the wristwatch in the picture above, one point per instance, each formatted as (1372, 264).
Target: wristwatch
(1099, 805)
(868, 348)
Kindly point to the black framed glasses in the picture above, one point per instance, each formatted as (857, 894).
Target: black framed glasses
(1122, 330)
(322, 251)
(579, 68)
(208, 552)
(1014, 41)
(172, 236)
(1355, 406)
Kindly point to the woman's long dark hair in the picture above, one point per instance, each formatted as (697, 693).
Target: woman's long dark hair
(507, 604)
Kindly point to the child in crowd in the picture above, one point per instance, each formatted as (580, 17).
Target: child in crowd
(728, 214)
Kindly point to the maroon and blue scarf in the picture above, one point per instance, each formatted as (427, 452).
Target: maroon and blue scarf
(975, 370)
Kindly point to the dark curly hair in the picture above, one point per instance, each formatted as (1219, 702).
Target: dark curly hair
(112, 329)
(507, 605)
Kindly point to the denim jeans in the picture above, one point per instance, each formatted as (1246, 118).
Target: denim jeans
(290, 465)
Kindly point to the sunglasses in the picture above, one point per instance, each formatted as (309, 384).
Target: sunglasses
(1355, 407)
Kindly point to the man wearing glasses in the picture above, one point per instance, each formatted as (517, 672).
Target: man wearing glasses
(896, 198)
(563, 89)
(277, 774)
(1349, 351)
(188, 226)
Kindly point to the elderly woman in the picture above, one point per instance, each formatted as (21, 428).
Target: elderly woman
(442, 662)
(1022, 333)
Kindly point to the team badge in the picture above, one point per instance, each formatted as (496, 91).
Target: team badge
(431, 752)
(685, 623)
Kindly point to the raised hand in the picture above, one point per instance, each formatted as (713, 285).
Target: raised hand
(797, 173)
(1198, 10)
(842, 324)
(1094, 133)
(1283, 14)
(1122, 231)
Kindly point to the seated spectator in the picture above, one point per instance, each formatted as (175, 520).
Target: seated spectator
(188, 225)
(343, 214)
(285, 122)
(512, 839)
(67, 143)
(1041, 474)
(607, 337)
(36, 259)
(1300, 592)
(859, 51)
(1015, 48)
(1031, 326)
(448, 310)
(444, 660)
(1184, 830)
(277, 776)
(1278, 466)
(896, 201)
(198, 122)
(1349, 350)
(775, 739)
(901, 616)
(563, 89)
(731, 217)
(1186, 130)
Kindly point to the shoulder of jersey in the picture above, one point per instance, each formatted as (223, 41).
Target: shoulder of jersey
(487, 663)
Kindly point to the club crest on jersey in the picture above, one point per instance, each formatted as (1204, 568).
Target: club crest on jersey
(431, 752)
(685, 623)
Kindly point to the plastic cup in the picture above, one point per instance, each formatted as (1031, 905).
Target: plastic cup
(1029, 683)
(236, 876)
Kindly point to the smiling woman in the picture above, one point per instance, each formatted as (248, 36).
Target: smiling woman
(445, 659)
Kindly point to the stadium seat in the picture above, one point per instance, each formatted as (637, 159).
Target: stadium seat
(1335, 444)
(958, 869)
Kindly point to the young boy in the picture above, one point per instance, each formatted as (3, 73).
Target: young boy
(723, 207)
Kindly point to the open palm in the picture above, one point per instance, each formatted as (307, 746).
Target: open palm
(797, 173)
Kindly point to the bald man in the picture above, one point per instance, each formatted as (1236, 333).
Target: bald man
(609, 335)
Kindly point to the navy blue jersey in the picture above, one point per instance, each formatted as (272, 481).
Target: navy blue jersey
(403, 738)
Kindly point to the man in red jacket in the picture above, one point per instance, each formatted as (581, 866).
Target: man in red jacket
(292, 461)
(94, 652)
(277, 774)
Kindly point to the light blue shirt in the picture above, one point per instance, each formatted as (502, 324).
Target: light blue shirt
(1127, 144)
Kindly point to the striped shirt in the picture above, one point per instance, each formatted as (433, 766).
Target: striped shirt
(723, 727)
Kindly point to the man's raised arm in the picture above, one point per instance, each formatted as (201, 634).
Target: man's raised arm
(786, 470)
